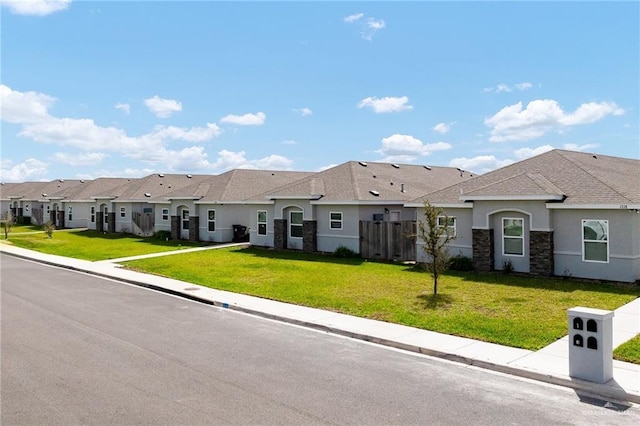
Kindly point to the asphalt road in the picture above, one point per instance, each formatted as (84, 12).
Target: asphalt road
(77, 349)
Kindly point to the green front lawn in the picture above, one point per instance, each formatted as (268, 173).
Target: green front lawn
(93, 245)
(629, 351)
(518, 311)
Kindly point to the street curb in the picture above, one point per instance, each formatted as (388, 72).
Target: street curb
(592, 389)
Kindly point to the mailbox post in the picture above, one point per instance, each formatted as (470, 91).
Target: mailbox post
(591, 344)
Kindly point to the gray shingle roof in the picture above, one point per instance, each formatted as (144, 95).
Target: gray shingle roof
(355, 181)
(580, 178)
(236, 185)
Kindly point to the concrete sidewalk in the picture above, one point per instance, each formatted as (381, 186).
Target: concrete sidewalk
(550, 364)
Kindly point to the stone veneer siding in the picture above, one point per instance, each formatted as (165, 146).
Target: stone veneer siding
(175, 227)
(280, 233)
(112, 222)
(309, 236)
(541, 252)
(483, 249)
(194, 226)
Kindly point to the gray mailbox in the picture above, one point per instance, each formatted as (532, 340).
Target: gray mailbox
(591, 344)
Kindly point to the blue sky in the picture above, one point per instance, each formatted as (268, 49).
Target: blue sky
(125, 89)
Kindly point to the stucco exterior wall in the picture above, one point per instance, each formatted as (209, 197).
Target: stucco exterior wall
(254, 238)
(330, 239)
(80, 214)
(537, 210)
(624, 245)
(463, 243)
(226, 216)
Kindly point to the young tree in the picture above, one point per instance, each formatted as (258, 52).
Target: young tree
(435, 231)
(7, 224)
(48, 228)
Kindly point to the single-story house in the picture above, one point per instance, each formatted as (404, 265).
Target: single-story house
(560, 213)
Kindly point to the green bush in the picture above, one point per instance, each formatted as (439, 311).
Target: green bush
(345, 252)
(461, 263)
(162, 235)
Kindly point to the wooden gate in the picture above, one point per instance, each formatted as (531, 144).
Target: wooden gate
(388, 240)
(143, 224)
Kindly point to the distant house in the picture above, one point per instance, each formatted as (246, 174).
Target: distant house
(357, 205)
(560, 213)
(217, 208)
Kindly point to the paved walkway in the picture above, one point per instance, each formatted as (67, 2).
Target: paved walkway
(550, 364)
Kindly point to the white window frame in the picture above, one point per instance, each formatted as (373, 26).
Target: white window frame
(394, 214)
(604, 241)
(211, 221)
(105, 219)
(337, 222)
(70, 214)
(451, 218)
(123, 212)
(48, 209)
(512, 237)
(165, 215)
(93, 214)
(291, 224)
(262, 222)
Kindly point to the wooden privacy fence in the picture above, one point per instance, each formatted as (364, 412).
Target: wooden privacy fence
(388, 240)
(144, 222)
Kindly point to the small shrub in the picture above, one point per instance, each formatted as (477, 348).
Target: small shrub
(162, 235)
(507, 266)
(345, 252)
(48, 228)
(461, 263)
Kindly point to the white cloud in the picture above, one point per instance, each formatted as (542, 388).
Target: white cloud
(237, 160)
(305, 112)
(35, 7)
(30, 110)
(163, 108)
(124, 107)
(194, 134)
(74, 159)
(524, 153)
(289, 142)
(23, 107)
(30, 170)
(513, 123)
(501, 87)
(442, 128)
(353, 18)
(479, 164)
(368, 27)
(257, 119)
(575, 147)
(408, 148)
(386, 104)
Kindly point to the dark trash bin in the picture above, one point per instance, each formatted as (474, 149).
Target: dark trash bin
(240, 234)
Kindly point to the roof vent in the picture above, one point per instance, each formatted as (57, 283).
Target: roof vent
(362, 163)
(396, 166)
(160, 174)
(427, 167)
(146, 194)
(61, 180)
(189, 176)
(374, 193)
(595, 156)
(402, 187)
(81, 180)
(44, 195)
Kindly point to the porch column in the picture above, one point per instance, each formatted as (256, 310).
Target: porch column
(280, 233)
(482, 249)
(60, 222)
(194, 226)
(112, 222)
(310, 236)
(175, 227)
(541, 253)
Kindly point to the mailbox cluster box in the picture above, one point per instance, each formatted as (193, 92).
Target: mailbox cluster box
(591, 344)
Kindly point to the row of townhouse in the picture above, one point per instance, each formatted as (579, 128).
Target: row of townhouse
(560, 213)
